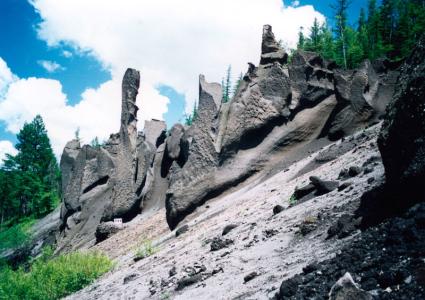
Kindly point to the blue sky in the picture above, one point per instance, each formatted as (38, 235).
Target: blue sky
(71, 70)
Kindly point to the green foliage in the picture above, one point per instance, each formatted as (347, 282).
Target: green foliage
(190, 118)
(226, 84)
(292, 200)
(15, 236)
(146, 249)
(389, 29)
(29, 181)
(53, 278)
(95, 143)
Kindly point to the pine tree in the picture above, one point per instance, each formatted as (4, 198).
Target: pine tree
(34, 171)
(340, 10)
(227, 85)
(362, 32)
(237, 85)
(301, 39)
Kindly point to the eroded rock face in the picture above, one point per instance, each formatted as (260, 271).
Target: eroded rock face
(102, 183)
(363, 96)
(189, 183)
(312, 80)
(261, 102)
(402, 137)
(277, 110)
(155, 131)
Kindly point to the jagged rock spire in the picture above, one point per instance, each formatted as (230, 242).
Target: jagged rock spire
(270, 49)
(130, 87)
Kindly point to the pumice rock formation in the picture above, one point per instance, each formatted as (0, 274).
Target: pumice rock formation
(103, 183)
(279, 109)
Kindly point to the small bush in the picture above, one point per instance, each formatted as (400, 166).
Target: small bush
(54, 278)
(145, 250)
(16, 236)
(292, 200)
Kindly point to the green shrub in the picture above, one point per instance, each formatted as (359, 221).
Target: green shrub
(16, 236)
(145, 250)
(54, 278)
(292, 200)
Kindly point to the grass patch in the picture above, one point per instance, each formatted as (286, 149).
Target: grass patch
(146, 249)
(16, 236)
(53, 278)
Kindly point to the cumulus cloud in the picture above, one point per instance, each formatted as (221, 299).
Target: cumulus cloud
(170, 41)
(50, 66)
(6, 147)
(67, 53)
(6, 77)
(97, 114)
(295, 3)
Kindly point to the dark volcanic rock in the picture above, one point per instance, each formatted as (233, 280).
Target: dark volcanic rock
(402, 137)
(323, 186)
(182, 230)
(382, 257)
(250, 277)
(228, 228)
(218, 243)
(346, 289)
(304, 191)
(187, 281)
(278, 209)
(106, 230)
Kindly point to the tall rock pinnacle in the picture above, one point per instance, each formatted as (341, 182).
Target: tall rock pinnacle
(271, 51)
(130, 86)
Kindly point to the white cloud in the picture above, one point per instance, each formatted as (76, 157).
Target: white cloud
(50, 66)
(6, 147)
(295, 3)
(6, 77)
(169, 41)
(97, 114)
(67, 53)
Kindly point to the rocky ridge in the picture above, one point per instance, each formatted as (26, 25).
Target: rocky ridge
(280, 111)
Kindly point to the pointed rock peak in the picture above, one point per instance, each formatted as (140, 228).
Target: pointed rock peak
(270, 50)
(269, 42)
(130, 87)
(209, 92)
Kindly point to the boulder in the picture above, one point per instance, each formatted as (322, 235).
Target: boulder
(106, 229)
(323, 186)
(346, 289)
(402, 137)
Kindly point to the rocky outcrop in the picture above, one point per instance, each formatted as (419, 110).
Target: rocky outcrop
(103, 183)
(278, 110)
(190, 183)
(155, 132)
(402, 137)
